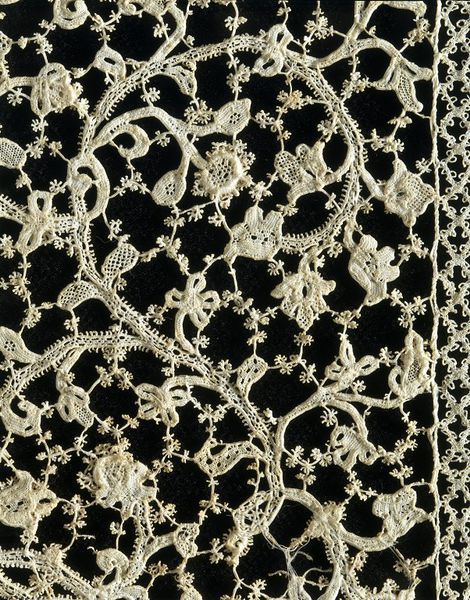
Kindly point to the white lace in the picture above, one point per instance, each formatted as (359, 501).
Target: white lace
(222, 171)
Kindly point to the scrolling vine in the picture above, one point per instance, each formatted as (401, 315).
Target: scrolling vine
(247, 322)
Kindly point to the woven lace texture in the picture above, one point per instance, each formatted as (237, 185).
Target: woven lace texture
(233, 299)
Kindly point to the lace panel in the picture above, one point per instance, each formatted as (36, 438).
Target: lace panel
(234, 299)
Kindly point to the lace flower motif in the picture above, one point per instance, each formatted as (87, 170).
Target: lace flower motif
(372, 268)
(349, 446)
(258, 237)
(411, 377)
(25, 502)
(406, 195)
(302, 295)
(53, 90)
(225, 171)
(39, 222)
(162, 401)
(398, 511)
(346, 369)
(194, 303)
(401, 77)
(120, 480)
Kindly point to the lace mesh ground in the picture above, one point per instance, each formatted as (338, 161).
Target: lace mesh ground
(233, 299)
